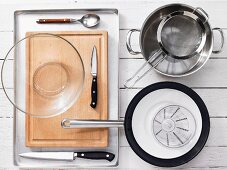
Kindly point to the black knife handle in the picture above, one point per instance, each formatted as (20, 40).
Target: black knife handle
(94, 92)
(96, 155)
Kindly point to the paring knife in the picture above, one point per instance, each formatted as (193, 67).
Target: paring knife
(94, 80)
(68, 156)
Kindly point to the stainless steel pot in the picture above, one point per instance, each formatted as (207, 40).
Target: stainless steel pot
(149, 44)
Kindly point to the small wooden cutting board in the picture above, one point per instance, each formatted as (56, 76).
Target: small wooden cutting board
(47, 132)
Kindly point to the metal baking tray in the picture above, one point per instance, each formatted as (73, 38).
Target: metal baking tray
(24, 21)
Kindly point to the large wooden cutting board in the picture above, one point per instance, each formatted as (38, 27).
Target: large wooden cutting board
(47, 132)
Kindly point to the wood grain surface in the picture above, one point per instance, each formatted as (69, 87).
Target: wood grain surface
(47, 132)
(210, 84)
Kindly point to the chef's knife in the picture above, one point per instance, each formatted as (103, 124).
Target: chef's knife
(94, 79)
(68, 156)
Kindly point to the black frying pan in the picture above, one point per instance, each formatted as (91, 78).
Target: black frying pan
(162, 162)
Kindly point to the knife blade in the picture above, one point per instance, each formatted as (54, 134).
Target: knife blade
(94, 79)
(68, 156)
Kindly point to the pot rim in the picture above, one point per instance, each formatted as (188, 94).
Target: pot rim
(187, 73)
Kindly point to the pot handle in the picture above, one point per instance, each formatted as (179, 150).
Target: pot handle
(201, 10)
(222, 40)
(74, 123)
(128, 42)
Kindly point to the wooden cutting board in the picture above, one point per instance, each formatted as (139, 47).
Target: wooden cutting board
(47, 132)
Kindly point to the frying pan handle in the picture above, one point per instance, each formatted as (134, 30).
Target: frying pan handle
(222, 40)
(74, 123)
(201, 11)
(128, 42)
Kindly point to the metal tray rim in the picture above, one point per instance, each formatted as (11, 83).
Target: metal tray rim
(18, 12)
(111, 10)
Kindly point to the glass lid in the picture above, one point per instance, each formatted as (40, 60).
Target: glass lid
(42, 75)
(174, 126)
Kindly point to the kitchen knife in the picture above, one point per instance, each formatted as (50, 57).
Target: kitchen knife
(68, 156)
(94, 79)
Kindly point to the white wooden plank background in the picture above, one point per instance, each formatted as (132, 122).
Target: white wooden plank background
(210, 83)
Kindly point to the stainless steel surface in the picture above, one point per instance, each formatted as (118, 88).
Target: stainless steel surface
(183, 68)
(60, 156)
(222, 40)
(94, 62)
(181, 34)
(143, 70)
(128, 42)
(149, 44)
(198, 9)
(73, 123)
(24, 21)
(88, 20)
